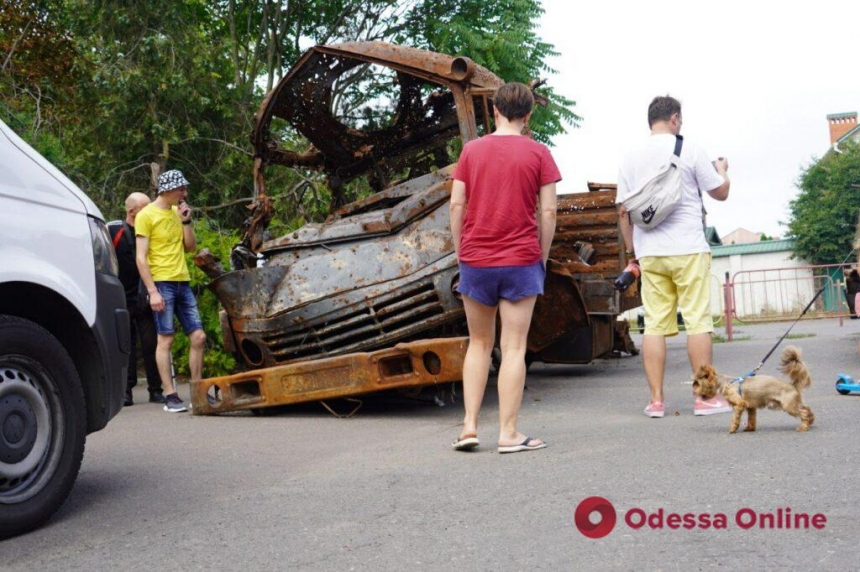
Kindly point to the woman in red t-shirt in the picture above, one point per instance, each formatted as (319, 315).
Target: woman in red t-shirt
(502, 247)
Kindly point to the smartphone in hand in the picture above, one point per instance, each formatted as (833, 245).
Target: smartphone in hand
(184, 210)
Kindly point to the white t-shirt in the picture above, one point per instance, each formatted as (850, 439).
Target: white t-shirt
(681, 232)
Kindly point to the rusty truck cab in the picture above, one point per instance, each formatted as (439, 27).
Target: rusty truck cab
(310, 311)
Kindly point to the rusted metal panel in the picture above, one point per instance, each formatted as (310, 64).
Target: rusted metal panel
(436, 67)
(623, 341)
(592, 217)
(589, 217)
(382, 213)
(424, 362)
(329, 289)
(561, 308)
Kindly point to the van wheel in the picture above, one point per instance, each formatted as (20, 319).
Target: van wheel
(42, 425)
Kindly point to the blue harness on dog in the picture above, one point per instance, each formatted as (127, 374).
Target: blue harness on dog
(740, 382)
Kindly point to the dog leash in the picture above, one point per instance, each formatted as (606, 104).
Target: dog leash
(805, 310)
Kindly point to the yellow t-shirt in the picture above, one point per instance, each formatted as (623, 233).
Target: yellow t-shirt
(166, 255)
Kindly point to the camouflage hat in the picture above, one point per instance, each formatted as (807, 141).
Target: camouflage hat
(170, 180)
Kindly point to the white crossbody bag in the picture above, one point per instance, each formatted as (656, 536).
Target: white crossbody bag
(659, 196)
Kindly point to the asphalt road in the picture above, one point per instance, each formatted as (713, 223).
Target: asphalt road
(383, 491)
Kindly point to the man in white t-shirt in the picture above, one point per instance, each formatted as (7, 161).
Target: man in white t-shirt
(674, 256)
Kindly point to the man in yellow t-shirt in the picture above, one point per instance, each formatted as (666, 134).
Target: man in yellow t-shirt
(164, 235)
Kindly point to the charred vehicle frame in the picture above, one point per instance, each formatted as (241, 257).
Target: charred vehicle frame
(381, 273)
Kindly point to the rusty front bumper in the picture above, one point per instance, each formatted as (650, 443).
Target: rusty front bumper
(423, 362)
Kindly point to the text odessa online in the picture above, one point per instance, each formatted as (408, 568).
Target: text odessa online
(745, 518)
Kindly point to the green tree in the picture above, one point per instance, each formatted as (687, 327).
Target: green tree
(500, 36)
(825, 213)
(156, 90)
(37, 72)
(107, 88)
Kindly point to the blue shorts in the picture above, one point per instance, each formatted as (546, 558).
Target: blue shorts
(487, 285)
(179, 301)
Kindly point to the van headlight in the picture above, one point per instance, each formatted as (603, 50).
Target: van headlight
(103, 252)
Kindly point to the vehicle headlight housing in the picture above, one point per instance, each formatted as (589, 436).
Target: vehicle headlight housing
(103, 252)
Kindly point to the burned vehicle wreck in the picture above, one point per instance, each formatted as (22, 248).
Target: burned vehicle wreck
(367, 299)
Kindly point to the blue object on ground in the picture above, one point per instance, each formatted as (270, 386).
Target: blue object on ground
(845, 384)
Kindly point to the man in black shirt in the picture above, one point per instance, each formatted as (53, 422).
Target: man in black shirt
(142, 322)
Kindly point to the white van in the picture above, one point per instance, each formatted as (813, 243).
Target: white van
(64, 333)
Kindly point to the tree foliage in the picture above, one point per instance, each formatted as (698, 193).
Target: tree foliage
(825, 213)
(107, 88)
(500, 36)
(38, 73)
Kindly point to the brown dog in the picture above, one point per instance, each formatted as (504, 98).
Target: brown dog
(760, 391)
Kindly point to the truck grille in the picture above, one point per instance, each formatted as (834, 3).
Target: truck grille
(384, 319)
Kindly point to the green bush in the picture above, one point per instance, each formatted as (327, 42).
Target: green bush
(216, 361)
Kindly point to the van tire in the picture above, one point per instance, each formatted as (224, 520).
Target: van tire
(42, 425)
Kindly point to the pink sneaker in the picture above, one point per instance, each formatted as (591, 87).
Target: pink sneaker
(711, 406)
(655, 409)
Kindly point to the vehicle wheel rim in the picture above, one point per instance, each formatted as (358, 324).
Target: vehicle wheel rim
(31, 428)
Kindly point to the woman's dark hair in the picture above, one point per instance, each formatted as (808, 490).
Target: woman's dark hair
(662, 108)
(514, 100)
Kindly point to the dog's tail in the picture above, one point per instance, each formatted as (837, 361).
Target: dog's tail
(795, 369)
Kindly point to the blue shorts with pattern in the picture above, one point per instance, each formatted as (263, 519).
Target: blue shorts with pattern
(489, 284)
(179, 301)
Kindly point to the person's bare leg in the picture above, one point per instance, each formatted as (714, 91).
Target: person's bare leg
(162, 358)
(516, 318)
(481, 320)
(699, 350)
(197, 340)
(654, 359)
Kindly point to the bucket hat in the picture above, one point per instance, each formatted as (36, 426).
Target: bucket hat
(170, 180)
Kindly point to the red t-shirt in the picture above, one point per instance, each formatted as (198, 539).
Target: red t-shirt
(503, 176)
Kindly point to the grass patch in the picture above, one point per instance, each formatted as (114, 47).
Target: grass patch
(720, 338)
(799, 336)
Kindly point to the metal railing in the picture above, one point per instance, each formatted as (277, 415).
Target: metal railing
(775, 294)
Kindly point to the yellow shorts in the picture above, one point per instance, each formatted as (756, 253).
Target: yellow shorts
(683, 282)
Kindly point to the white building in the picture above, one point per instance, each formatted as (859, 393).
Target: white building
(741, 236)
(768, 280)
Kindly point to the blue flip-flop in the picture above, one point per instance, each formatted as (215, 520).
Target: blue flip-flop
(465, 444)
(524, 446)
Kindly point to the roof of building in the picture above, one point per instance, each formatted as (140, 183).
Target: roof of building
(763, 247)
(845, 115)
(849, 135)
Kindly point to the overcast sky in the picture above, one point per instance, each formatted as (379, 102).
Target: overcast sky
(756, 80)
